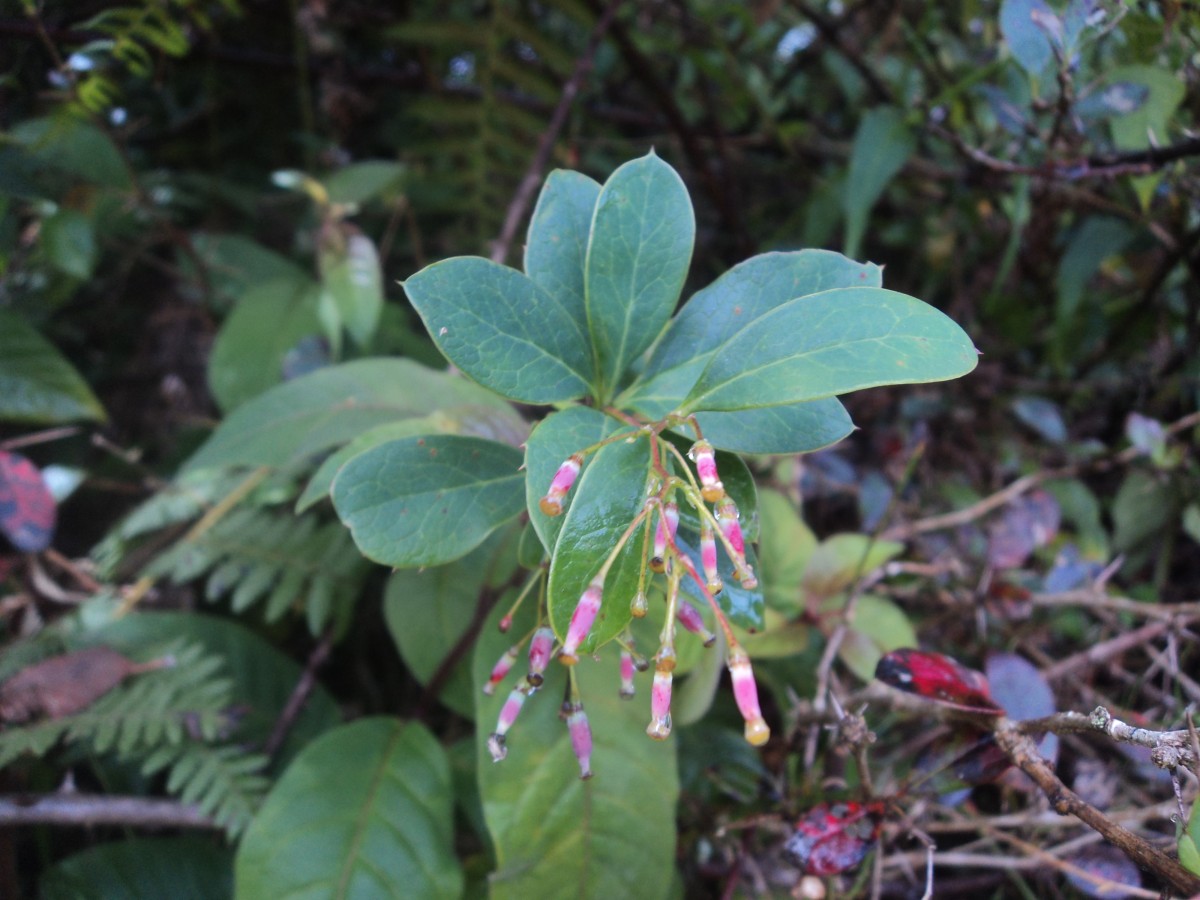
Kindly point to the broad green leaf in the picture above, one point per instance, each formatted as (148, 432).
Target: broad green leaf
(637, 258)
(1149, 124)
(779, 636)
(497, 423)
(365, 811)
(1189, 842)
(796, 428)
(842, 559)
(428, 611)
(556, 247)
(352, 277)
(554, 439)
(37, 383)
(1145, 505)
(882, 145)
(785, 547)
(67, 143)
(556, 836)
(247, 356)
(608, 495)
(427, 500)
(1096, 239)
(879, 626)
(832, 343)
(70, 243)
(363, 181)
(331, 406)
(503, 330)
(234, 264)
(1022, 22)
(182, 868)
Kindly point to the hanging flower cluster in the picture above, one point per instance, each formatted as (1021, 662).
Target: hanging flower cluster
(670, 483)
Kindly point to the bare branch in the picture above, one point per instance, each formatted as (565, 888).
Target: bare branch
(97, 809)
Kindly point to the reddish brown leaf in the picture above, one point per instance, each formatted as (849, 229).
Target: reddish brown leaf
(938, 678)
(63, 685)
(833, 838)
(27, 510)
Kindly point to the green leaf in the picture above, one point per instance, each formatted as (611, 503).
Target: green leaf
(503, 330)
(785, 547)
(556, 246)
(65, 142)
(1189, 842)
(1028, 41)
(365, 811)
(842, 559)
(1149, 124)
(352, 277)
(425, 501)
(556, 836)
(182, 868)
(796, 428)
(1145, 505)
(497, 423)
(882, 145)
(333, 405)
(879, 626)
(37, 384)
(608, 495)
(234, 264)
(554, 439)
(363, 181)
(268, 321)
(70, 243)
(428, 611)
(832, 343)
(637, 258)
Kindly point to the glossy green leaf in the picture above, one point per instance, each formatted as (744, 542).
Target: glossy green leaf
(882, 145)
(428, 611)
(637, 258)
(423, 501)
(37, 383)
(554, 439)
(365, 811)
(182, 868)
(70, 243)
(363, 181)
(832, 343)
(556, 247)
(780, 636)
(329, 407)
(743, 607)
(352, 277)
(796, 428)
(556, 836)
(497, 423)
(247, 356)
(503, 330)
(608, 495)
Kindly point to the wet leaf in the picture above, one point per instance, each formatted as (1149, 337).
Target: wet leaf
(834, 838)
(938, 678)
(27, 508)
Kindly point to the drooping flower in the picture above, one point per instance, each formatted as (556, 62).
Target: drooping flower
(745, 693)
(501, 669)
(690, 618)
(627, 687)
(539, 654)
(497, 742)
(664, 533)
(561, 484)
(581, 737)
(581, 620)
(704, 456)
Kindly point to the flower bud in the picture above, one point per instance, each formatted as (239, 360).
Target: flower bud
(500, 670)
(551, 504)
(581, 738)
(581, 621)
(745, 693)
(690, 618)
(664, 533)
(705, 458)
(660, 703)
(727, 521)
(627, 688)
(708, 558)
(539, 654)
(637, 606)
(508, 715)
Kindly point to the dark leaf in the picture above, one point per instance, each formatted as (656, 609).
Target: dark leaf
(834, 838)
(1027, 524)
(1108, 863)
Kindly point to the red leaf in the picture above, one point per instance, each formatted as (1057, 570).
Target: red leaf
(27, 510)
(832, 838)
(938, 678)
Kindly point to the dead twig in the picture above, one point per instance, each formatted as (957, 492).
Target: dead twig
(97, 809)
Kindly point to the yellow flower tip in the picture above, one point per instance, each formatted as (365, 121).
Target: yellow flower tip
(568, 659)
(550, 507)
(713, 492)
(757, 732)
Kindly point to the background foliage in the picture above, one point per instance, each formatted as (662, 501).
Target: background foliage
(202, 202)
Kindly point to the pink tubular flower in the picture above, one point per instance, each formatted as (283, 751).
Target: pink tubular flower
(581, 621)
(745, 692)
(690, 618)
(708, 558)
(539, 654)
(660, 703)
(664, 533)
(581, 738)
(727, 521)
(627, 688)
(500, 670)
(551, 504)
(508, 715)
(705, 458)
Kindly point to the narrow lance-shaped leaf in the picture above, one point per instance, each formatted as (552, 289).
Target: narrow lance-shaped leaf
(638, 256)
(502, 330)
(428, 500)
(832, 343)
(882, 145)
